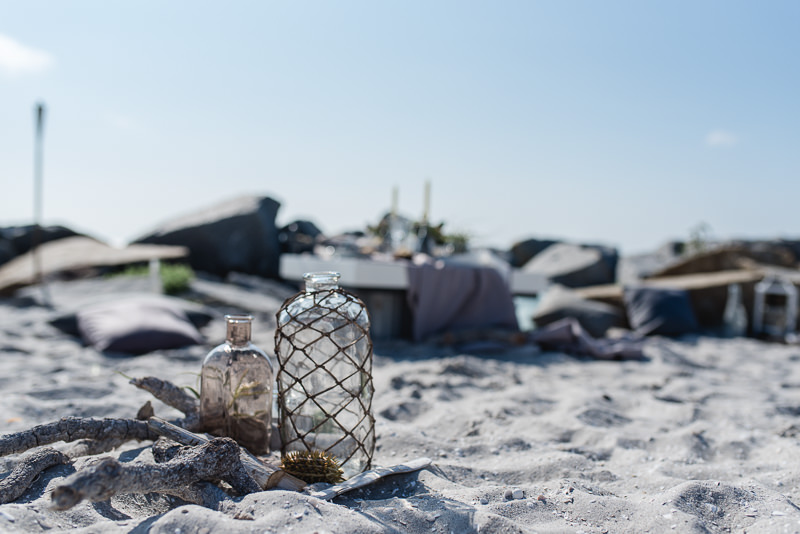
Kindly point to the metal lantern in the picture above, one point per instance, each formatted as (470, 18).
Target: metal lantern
(775, 308)
(325, 388)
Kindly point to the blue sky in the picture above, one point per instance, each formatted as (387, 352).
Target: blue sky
(627, 123)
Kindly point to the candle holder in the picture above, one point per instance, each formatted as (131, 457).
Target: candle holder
(775, 308)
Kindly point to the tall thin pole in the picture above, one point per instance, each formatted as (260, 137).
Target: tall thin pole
(38, 168)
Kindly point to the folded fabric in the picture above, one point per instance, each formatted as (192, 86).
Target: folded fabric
(568, 336)
(453, 296)
(136, 325)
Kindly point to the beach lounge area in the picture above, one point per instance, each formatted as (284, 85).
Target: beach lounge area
(598, 419)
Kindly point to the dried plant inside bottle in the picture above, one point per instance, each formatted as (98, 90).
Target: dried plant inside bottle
(236, 388)
(325, 389)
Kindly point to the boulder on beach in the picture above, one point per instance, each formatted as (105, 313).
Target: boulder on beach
(238, 235)
(523, 251)
(575, 265)
(298, 237)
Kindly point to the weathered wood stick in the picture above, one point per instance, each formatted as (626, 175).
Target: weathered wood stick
(168, 393)
(90, 447)
(26, 470)
(204, 493)
(73, 429)
(216, 460)
(21, 477)
(266, 476)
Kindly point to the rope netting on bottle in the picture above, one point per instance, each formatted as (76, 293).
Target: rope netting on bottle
(325, 377)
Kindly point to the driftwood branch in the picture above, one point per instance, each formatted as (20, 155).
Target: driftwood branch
(216, 460)
(168, 393)
(73, 429)
(265, 475)
(174, 396)
(21, 477)
(90, 447)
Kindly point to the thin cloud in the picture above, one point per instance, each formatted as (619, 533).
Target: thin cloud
(721, 138)
(17, 59)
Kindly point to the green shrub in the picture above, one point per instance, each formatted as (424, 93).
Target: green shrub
(175, 277)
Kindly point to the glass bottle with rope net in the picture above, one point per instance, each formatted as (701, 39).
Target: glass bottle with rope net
(324, 381)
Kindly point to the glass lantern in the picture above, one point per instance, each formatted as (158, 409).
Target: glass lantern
(324, 353)
(775, 308)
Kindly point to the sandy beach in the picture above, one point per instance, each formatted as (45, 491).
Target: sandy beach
(700, 436)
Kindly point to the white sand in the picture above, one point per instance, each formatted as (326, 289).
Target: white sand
(701, 437)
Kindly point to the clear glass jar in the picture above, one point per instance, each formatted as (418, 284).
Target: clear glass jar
(325, 388)
(775, 308)
(236, 388)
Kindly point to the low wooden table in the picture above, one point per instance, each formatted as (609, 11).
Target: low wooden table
(382, 284)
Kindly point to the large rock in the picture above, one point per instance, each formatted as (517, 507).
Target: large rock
(235, 236)
(7, 251)
(575, 265)
(299, 237)
(523, 251)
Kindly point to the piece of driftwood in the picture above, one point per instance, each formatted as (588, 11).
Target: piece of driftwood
(174, 396)
(214, 461)
(90, 436)
(91, 447)
(21, 477)
(265, 475)
(208, 494)
(73, 429)
(368, 477)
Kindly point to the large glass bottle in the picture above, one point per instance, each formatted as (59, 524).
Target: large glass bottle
(325, 389)
(236, 388)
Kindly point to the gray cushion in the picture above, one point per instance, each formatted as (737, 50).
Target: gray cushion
(560, 302)
(659, 311)
(67, 321)
(136, 325)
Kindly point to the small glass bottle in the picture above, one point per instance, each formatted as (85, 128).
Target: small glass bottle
(325, 389)
(236, 388)
(734, 318)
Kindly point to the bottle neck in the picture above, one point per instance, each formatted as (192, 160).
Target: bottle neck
(239, 329)
(324, 281)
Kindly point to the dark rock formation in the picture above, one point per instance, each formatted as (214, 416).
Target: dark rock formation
(299, 237)
(524, 251)
(235, 236)
(575, 265)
